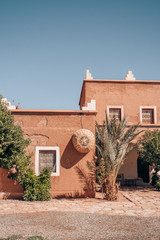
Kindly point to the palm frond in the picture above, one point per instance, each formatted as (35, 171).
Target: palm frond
(113, 141)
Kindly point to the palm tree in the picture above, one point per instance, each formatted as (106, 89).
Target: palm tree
(113, 140)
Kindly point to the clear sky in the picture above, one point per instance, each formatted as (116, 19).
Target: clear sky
(47, 45)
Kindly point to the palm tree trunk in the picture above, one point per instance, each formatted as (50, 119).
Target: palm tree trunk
(111, 187)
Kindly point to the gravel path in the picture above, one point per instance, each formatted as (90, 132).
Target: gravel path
(135, 216)
(80, 226)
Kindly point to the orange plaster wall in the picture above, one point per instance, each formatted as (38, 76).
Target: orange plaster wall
(56, 129)
(129, 169)
(131, 96)
(9, 188)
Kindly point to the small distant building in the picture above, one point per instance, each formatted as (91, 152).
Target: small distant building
(51, 133)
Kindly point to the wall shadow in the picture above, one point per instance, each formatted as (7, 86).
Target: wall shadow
(88, 181)
(70, 156)
(9, 185)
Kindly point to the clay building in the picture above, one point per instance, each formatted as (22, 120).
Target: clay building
(51, 133)
(55, 134)
(139, 100)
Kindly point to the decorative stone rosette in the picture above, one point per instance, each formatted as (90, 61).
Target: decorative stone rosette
(83, 140)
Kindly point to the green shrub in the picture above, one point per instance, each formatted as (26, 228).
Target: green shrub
(36, 188)
(157, 185)
(13, 237)
(149, 148)
(35, 238)
(44, 185)
(154, 179)
(18, 237)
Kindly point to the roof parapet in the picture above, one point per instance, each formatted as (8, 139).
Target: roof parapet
(130, 76)
(88, 75)
(90, 106)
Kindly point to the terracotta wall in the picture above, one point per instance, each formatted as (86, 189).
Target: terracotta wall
(9, 188)
(129, 94)
(129, 169)
(55, 128)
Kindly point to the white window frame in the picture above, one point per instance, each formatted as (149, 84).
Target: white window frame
(46, 148)
(116, 107)
(154, 113)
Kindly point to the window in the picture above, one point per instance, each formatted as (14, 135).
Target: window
(47, 157)
(148, 115)
(116, 111)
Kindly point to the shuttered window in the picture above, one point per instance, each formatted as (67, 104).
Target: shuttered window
(47, 156)
(115, 112)
(148, 116)
(47, 159)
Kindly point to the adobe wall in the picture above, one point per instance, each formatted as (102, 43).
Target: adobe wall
(129, 94)
(55, 128)
(129, 169)
(9, 188)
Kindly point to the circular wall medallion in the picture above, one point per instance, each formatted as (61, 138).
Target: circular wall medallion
(83, 140)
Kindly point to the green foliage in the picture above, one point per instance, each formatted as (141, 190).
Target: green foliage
(157, 185)
(155, 178)
(97, 165)
(113, 144)
(113, 140)
(12, 143)
(13, 237)
(13, 154)
(18, 237)
(30, 185)
(36, 188)
(149, 148)
(35, 238)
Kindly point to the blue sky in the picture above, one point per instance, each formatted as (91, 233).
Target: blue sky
(47, 45)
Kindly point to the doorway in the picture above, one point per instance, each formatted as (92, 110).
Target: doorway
(143, 170)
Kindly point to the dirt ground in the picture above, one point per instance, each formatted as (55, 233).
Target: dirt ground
(136, 215)
(80, 226)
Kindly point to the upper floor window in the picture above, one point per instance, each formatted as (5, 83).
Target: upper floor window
(47, 157)
(116, 111)
(148, 115)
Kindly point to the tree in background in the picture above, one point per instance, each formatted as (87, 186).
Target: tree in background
(113, 140)
(149, 150)
(12, 143)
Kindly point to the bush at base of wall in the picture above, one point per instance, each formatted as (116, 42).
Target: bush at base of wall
(36, 188)
(157, 185)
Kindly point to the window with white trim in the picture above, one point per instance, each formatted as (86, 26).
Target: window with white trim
(148, 115)
(116, 111)
(47, 157)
